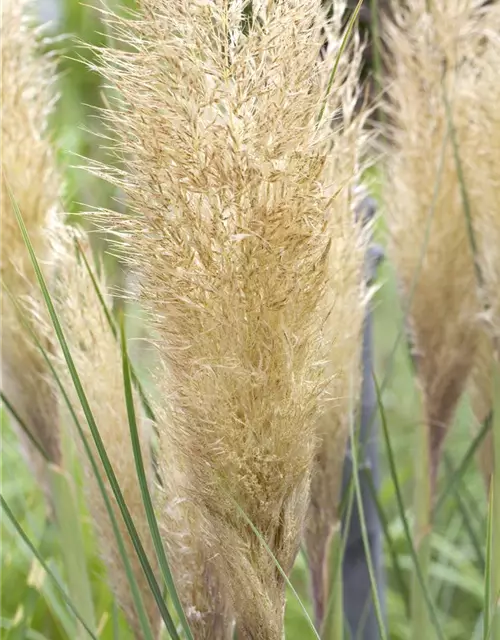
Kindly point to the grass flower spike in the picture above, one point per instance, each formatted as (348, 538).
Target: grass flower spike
(345, 320)
(430, 50)
(29, 170)
(229, 186)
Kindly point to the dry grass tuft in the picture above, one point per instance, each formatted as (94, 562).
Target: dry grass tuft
(232, 188)
(28, 167)
(433, 49)
(97, 358)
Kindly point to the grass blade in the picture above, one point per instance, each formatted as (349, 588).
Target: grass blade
(22, 424)
(422, 503)
(72, 547)
(495, 500)
(458, 473)
(116, 531)
(398, 572)
(487, 574)
(392, 467)
(20, 531)
(278, 566)
(333, 623)
(343, 45)
(364, 533)
(99, 445)
(146, 497)
(460, 493)
(112, 326)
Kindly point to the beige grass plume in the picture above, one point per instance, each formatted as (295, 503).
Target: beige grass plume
(207, 610)
(224, 170)
(28, 166)
(97, 358)
(432, 47)
(481, 398)
(345, 320)
(484, 184)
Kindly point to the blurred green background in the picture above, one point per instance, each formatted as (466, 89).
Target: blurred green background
(31, 607)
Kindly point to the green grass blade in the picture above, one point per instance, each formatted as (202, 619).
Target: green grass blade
(398, 572)
(333, 623)
(68, 522)
(458, 473)
(343, 45)
(393, 470)
(23, 426)
(460, 493)
(422, 502)
(146, 497)
(98, 442)
(487, 573)
(20, 531)
(345, 514)
(112, 324)
(123, 553)
(278, 566)
(495, 535)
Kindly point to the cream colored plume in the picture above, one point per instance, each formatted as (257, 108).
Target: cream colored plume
(484, 184)
(433, 48)
(481, 397)
(228, 176)
(345, 320)
(208, 612)
(97, 357)
(29, 169)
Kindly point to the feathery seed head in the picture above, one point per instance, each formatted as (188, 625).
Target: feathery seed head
(231, 184)
(28, 168)
(347, 294)
(431, 50)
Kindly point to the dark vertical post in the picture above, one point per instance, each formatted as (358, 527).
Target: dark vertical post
(358, 599)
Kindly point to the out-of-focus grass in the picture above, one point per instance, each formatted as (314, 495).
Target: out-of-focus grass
(30, 606)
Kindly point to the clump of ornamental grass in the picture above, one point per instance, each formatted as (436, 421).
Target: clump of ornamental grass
(30, 176)
(97, 357)
(432, 47)
(224, 125)
(345, 320)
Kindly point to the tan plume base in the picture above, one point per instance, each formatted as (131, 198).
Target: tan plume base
(320, 562)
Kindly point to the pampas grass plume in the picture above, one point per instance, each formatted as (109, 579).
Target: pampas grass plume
(431, 48)
(225, 177)
(28, 167)
(345, 319)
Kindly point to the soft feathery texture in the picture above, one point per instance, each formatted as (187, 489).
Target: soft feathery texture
(29, 169)
(432, 48)
(229, 180)
(97, 357)
(484, 185)
(207, 610)
(345, 320)
(481, 398)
